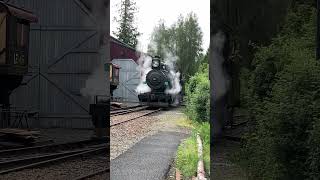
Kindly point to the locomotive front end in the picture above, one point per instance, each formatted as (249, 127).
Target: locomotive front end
(158, 79)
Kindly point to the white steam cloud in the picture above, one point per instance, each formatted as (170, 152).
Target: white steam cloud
(220, 77)
(145, 66)
(171, 60)
(97, 83)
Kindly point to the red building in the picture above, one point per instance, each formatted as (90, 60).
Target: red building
(120, 50)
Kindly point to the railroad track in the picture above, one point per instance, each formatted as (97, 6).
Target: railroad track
(127, 110)
(136, 117)
(107, 170)
(23, 158)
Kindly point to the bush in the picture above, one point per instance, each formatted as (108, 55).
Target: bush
(198, 110)
(198, 96)
(283, 96)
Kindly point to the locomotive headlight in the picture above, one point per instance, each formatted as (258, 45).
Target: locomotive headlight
(155, 63)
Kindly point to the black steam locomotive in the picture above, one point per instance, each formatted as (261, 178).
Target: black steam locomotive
(159, 79)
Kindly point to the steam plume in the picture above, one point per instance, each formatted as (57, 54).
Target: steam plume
(171, 61)
(220, 77)
(144, 67)
(97, 83)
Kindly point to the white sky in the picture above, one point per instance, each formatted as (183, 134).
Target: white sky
(151, 11)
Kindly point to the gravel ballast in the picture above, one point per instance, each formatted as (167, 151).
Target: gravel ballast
(61, 171)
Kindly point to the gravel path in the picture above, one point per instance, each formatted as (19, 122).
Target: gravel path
(124, 136)
(150, 158)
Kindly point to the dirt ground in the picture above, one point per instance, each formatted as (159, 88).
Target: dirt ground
(223, 168)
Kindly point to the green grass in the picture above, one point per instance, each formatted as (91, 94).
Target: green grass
(187, 155)
(185, 122)
(206, 158)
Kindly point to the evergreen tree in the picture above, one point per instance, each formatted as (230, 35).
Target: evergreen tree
(127, 32)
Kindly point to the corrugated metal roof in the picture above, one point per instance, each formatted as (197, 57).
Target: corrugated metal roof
(113, 39)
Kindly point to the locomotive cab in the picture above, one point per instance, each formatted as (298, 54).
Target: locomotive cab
(14, 47)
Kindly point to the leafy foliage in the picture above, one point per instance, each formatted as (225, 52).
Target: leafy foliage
(283, 98)
(183, 39)
(127, 32)
(197, 109)
(198, 95)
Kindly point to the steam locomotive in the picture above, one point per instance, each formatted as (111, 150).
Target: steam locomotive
(159, 79)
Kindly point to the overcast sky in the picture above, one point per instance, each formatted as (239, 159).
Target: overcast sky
(151, 11)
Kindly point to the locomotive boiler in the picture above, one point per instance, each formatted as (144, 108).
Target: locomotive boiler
(159, 80)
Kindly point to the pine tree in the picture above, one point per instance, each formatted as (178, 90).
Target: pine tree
(127, 32)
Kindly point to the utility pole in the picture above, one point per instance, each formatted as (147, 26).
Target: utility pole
(318, 31)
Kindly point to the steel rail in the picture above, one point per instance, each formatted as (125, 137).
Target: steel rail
(127, 111)
(51, 146)
(55, 160)
(115, 124)
(39, 157)
(92, 174)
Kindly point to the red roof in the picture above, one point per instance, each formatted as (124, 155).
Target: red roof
(121, 50)
(18, 12)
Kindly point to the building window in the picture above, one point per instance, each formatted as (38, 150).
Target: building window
(22, 35)
(21, 41)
